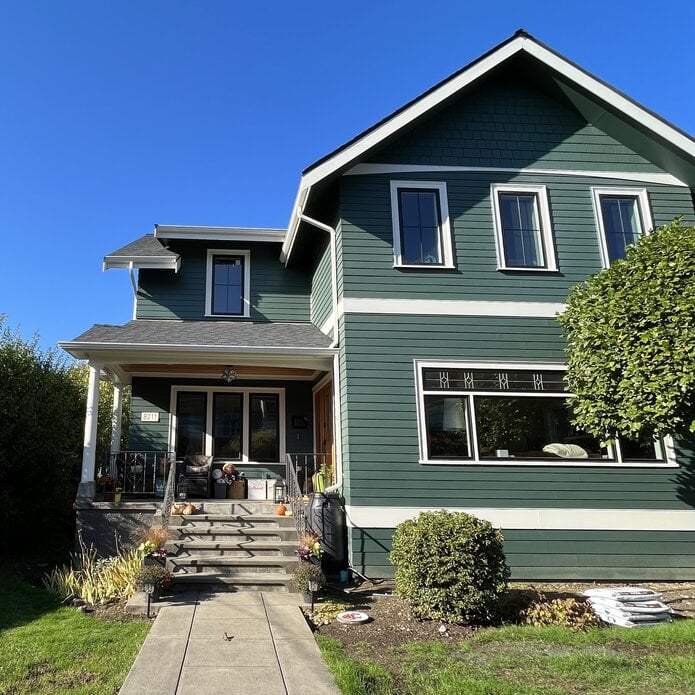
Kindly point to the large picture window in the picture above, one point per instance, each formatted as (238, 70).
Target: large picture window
(623, 217)
(421, 233)
(236, 424)
(483, 414)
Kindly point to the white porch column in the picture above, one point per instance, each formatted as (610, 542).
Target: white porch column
(87, 486)
(116, 417)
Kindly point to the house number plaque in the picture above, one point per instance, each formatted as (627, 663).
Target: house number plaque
(149, 417)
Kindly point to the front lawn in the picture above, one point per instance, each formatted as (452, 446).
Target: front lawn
(50, 649)
(524, 661)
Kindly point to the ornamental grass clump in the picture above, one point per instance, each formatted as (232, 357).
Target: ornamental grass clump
(450, 567)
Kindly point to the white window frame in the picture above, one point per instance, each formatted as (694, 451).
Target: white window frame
(246, 289)
(474, 459)
(445, 227)
(246, 393)
(642, 198)
(543, 210)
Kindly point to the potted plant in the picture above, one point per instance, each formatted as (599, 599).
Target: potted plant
(106, 486)
(309, 579)
(153, 580)
(152, 549)
(309, 549)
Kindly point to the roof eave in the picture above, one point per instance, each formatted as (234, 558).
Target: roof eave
(169, 231)
(143, 262)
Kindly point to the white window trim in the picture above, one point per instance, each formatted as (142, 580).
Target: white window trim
(541, 193)
(246, 392)
(640, 194)
(246, 298)
(475, 460)
(447, 249)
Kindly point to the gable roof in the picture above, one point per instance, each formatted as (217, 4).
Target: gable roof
(590, 92)
(145, 252)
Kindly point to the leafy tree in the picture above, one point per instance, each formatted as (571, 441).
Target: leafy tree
(631, 340)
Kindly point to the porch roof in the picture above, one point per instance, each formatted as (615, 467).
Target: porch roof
(170, 333)
(200, 342)
(145, 252)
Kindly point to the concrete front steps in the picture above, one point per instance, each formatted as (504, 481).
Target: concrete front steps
(237, 545)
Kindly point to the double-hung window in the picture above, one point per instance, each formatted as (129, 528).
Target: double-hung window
(227, 283)
(523, 232)
(515, 414)
(623, 216)
(421, 231)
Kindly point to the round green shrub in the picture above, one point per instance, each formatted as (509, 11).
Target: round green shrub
(450, 566)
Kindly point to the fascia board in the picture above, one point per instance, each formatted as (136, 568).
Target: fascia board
(162, 231)
(148, 262)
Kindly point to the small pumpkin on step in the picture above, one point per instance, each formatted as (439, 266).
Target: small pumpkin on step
(281, 510)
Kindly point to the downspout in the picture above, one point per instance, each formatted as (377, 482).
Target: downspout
(131, 272)
(336, 374)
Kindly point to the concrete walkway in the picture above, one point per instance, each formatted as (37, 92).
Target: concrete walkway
(268, 649)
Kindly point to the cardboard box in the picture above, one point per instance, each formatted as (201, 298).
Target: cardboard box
(257, 488)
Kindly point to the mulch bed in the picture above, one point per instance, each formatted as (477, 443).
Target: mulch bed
(392, 625)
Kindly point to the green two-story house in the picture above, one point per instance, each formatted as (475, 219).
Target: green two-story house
(403, 327)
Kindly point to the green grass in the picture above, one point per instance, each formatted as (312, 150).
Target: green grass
(50, 649)
(529, 661)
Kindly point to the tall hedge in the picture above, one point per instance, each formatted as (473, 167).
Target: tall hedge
(630, 331)
(42, 410)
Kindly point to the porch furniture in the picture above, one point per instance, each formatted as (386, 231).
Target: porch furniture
(196, 470)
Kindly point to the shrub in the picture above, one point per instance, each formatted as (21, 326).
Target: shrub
(153, 574)
(95, 580)
(563, 612)
(306, 571)
(449, 566)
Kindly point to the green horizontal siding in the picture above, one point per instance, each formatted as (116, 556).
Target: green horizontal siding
(508, 122)
(321, 301)
(154, 395)
(366, 241)
(380, 435)
(277, 293)
(561, 555)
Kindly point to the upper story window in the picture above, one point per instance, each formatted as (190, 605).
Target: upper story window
(623, 217)
(512, 414)
(522, 228)
(421, 232)
(227, 283)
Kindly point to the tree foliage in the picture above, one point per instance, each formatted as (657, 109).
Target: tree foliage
(631, 340)
(42, 410)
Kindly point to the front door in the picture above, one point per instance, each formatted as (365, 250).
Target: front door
(323, 418)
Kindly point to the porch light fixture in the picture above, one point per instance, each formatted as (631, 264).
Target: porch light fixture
(149, 589)
(228, 374)
(279, 490)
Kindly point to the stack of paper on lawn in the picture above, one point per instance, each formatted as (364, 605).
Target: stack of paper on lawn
(629, 606)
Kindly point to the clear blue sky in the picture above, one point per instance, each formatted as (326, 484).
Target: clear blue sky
(118, 115)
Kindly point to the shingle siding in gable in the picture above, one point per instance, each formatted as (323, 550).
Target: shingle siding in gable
(510, 124)
(277, 293)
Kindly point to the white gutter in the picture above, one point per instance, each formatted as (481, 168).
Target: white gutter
(336, 373)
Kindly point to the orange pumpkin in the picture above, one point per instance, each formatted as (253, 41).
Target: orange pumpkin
(281, 510)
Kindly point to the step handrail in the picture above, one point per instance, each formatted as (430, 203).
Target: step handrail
(168, 500)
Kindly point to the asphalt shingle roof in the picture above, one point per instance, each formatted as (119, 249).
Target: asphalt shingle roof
(207, 333)
(144, 246)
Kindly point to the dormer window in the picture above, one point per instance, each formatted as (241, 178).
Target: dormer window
(421, 233)
(227, 283)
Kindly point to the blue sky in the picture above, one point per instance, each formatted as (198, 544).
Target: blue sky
(118, 115)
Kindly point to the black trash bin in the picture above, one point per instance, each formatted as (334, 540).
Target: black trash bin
(327, 518)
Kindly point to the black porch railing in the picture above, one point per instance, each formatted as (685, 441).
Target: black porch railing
(138, 472)
(300, 475)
